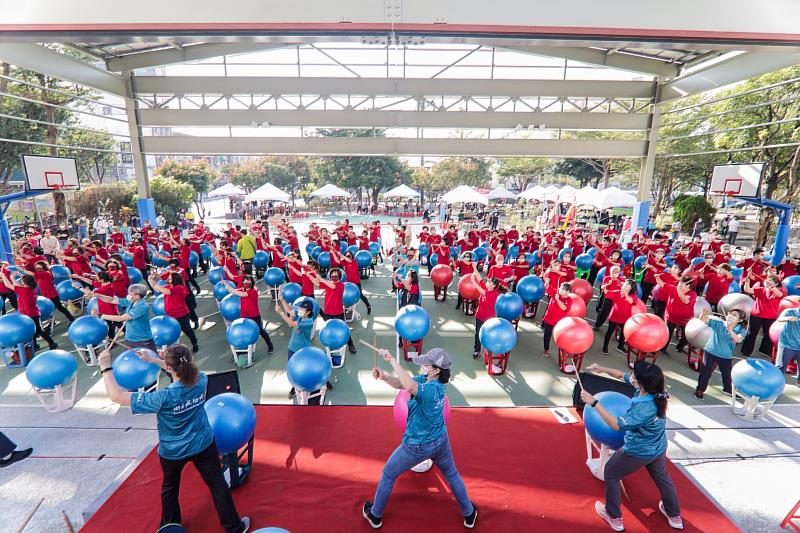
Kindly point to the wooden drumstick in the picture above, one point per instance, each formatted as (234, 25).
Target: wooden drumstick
(374, 352)
(577, 375)
(365, 343)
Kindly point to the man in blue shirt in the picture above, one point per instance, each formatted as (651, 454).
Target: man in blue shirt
(135, 315)
(789, 345)
(426, 434)
(725, 335)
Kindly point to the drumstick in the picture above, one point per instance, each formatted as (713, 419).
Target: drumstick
(30, 516)
(374, 352)
(365, 343)
(577, 375)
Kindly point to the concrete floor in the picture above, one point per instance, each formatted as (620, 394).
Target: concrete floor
(80, 453)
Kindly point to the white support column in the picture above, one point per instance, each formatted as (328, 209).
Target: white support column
(651, 144)
(145, 203)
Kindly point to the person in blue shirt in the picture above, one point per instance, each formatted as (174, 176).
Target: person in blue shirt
(134, 313)
(789, 345)
(645, 426)
(726, 333)
(426, 434)
(302, 323)
(184, 433)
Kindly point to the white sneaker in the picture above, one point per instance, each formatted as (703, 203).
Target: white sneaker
(496, 369)
(615, 523)
(675, 522)
(570, 369)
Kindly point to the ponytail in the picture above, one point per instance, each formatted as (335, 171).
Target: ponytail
(651, 380)
(179, 358)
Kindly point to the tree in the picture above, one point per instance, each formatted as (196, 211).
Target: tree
(520, 172)
(454, 171)
(197, 174)
(586, 171)
(104, 198)
(93, 165)
(689, 208)
(171, 197)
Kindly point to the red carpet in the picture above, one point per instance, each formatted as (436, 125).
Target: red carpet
(314, 466)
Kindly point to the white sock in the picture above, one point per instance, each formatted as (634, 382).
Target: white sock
(6, 457)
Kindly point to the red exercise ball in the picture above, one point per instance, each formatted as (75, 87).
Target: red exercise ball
(582, 288)
(576, 307)
(638, 307)
(775, 331)
(467, 288)
(441, 275)
(789, 302)
(573, 335)
(646, 332)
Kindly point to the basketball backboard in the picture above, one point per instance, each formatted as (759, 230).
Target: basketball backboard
(742, 181)
(48, 173)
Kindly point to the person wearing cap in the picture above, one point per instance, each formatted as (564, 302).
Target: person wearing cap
(301, 320)
(426, 434)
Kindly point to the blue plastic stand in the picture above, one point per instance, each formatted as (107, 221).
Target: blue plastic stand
(147, 211)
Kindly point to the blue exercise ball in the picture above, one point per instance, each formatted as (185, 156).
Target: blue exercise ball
(638, 290)
(220, 290)
(738, 272)
(531, 259)
(127, 258)
(51, 368)
(131, 373)
(67, 291)
(285, 249)
(216, 274)
(601, 274)
(353, 249)
(310, 246)
(498, 335)
(302, 299)
(213, 261)
(166, 330)
(424, 248)
(374, 248)
(87, 331)
(351, 294)
(585, 261)
(792, 285)
(291, 291)
(156, 260)
(261, 259)
(363, 258)
(479, 254)
(758, 377)
(697, 261)
(513, 250)
(627, 256)
(194, 259)
(274, 276)
(230, 307)
(233, 420)
(455, 251)
(135, 275)
(433, 260)
(342, 246)
(271, 530)
(592, 251)
(46, 307)
(60, 272)
(15, 328)
(509, 306)
(158, 305)
(412, 322)
(564, 251)
(615, 403)
(315, 251)
(530, 288)
(324, 259)
(242, 333)
(309, 369)
(734, 287)
(91, 305)
(669, 260)
(206, 251)
(639, 262)
(334, 334)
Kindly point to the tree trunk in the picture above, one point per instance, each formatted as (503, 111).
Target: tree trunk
(766, 216)
(606, 173)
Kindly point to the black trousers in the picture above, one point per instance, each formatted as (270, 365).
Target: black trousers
(659, 307)
(612, 326)
(40, 332)
(593, 274)
(605, 309)
(340, 317)
(191, 303)
(647, 288)
(362, 297)
(60, 306)
(756, 324)
(186, 328)
(682, 342)
(11, 297)
(478, 326)
(261, 330)
(710, 363)
(547, 334)
(207, 464)
(192, 275)
(6, 445)
(112, 328)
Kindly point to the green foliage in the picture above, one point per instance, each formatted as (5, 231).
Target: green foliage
(109, 198)
(171, 196)
(93, 166)
(688, 208)
(196, 174)
(454, 171)
(520, 172)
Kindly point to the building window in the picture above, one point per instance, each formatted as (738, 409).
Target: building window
(108, 110)
(126, 156)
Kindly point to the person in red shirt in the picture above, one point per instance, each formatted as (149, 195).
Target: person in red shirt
(521, 268)
(715, 244)
(695, 247)
(612, 283)
(554, 277)
(789, 267)
(623, 300)
(120, 276)
(655, 264)
(175, 293)
(764, 313)
(679, 310)
(723, 256)
(353, 276)
(25, 289)
(332, 306)
(568, 266)
(671, 277)
(463, 266)
(488, 290)
(104, 285)
(718, 283)
(47, 289)
(500, 270)
(698, 271)
(248, 297)
(556, 310)
(754, 266)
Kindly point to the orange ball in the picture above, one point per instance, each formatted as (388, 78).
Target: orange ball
(573, 335)
(646, 332)
(441, 275)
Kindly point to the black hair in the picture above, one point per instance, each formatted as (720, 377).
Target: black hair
(444, 374)
(651, 380)
(179, 358)
(633, 286)
(175, 278)
(29, 281)
(105, 276)
(414, 277)
(175, 262)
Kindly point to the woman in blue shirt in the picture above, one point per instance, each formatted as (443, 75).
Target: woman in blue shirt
(789, 345)
(645, 426)
(426, 434)
(302, 324)
(725, 335)
(184, 433)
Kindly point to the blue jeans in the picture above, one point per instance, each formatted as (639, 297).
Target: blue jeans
(408, 455)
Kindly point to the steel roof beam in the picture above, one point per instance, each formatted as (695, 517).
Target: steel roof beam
(589, 56)
(186, 53)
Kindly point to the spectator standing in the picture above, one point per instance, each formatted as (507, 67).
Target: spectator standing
(733, 230)
(698, 227)
(83, 229)
(161, 222)
(50, 246)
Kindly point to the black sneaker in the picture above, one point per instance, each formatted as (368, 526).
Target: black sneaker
(270, 350)
(329, 385)
(373, 520)
(475, 355)
(195, 348)
(727, 392)
(369, 310)
(469, 521)
(245, 524)
(699, 395)
(621, 349)
(605, 351)
(292, 393)
(352, 348)
(17, 455)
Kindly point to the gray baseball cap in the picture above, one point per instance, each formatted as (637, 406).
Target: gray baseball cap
(438, 357)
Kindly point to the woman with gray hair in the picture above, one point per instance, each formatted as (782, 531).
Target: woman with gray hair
(135, 314)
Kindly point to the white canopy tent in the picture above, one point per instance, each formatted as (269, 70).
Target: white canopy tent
(330, 191)
(586, 196)
(613, 197)
(501, 193)
(229, 189)
(269, 193)
(566, 194)
(532, 193)
(401, 191)
(550, 193)
(465, 194)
